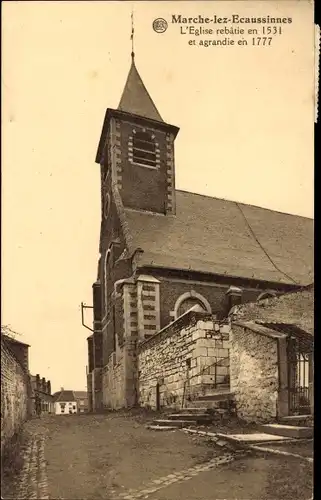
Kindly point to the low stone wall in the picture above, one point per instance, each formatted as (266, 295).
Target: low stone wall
(178, 363)
(15, 392)
(254, 374)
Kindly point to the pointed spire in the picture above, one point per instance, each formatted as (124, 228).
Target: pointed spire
(132, 36)
(135, 98)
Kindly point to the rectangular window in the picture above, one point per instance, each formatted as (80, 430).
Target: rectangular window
(144, 149)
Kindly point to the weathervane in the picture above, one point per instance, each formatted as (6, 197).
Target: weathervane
(132, 34)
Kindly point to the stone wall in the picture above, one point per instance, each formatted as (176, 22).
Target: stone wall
(113, 379)
(293, 308)
(179, 361)
(15, 392)
(97, 395)
(254, 374)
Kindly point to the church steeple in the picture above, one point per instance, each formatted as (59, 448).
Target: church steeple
(136, 151)
(135, 98)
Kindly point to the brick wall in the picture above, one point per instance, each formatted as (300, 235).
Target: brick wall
(180, 359)
(254, 374)
(15, 392)
(141, 187)
(171, 290)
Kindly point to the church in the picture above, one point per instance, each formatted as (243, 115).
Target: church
(164, 251)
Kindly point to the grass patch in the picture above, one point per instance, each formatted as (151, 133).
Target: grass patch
(12, 463)
(290, 479)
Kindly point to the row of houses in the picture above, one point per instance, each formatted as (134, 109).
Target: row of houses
(63, 402)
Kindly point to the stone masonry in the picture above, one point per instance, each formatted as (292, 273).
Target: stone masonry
(179, 361)
(15, 392)
(254, 374)
(294, 308)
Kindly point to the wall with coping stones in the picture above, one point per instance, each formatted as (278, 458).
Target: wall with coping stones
(182, 354)
(15, 392)
(254, 374)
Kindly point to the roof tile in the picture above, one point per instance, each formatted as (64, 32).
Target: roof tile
(211, 235)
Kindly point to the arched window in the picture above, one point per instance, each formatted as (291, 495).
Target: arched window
(188, 300)
(266, 295)
(144, 148)
(187, 304)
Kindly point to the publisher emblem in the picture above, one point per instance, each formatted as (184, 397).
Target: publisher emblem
(160, 25)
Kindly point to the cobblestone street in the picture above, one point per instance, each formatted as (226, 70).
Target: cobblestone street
(114, 457)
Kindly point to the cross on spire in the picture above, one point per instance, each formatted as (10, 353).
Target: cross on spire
(132, 34)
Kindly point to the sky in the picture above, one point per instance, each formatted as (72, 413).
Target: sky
(245, 114)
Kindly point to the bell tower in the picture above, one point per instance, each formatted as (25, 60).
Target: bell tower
(136, 151)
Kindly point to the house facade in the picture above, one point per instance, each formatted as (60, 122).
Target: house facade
(164, 251)
(81, 398)
(42, 388)
(65, 402)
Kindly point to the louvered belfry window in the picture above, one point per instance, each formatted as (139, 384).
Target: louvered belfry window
(144, 149)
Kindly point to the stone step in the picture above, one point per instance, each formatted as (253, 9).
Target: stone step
(197, 410)
(197, 417)
(253, 438)
(161, 427)
(209, 405)
(293, 431)
(176, 423)
(299, 420)
(217, 396)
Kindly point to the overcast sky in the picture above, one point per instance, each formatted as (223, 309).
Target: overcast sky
(246, 134)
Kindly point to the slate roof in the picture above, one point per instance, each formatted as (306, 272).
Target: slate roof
(136, 99)
(64, 396)
(212, 235)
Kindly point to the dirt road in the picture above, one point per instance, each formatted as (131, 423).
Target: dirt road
(114, 457)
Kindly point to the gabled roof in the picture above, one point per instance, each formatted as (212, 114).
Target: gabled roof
(80, 394)
(64, 396)
(136, 99)
(216, 236)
